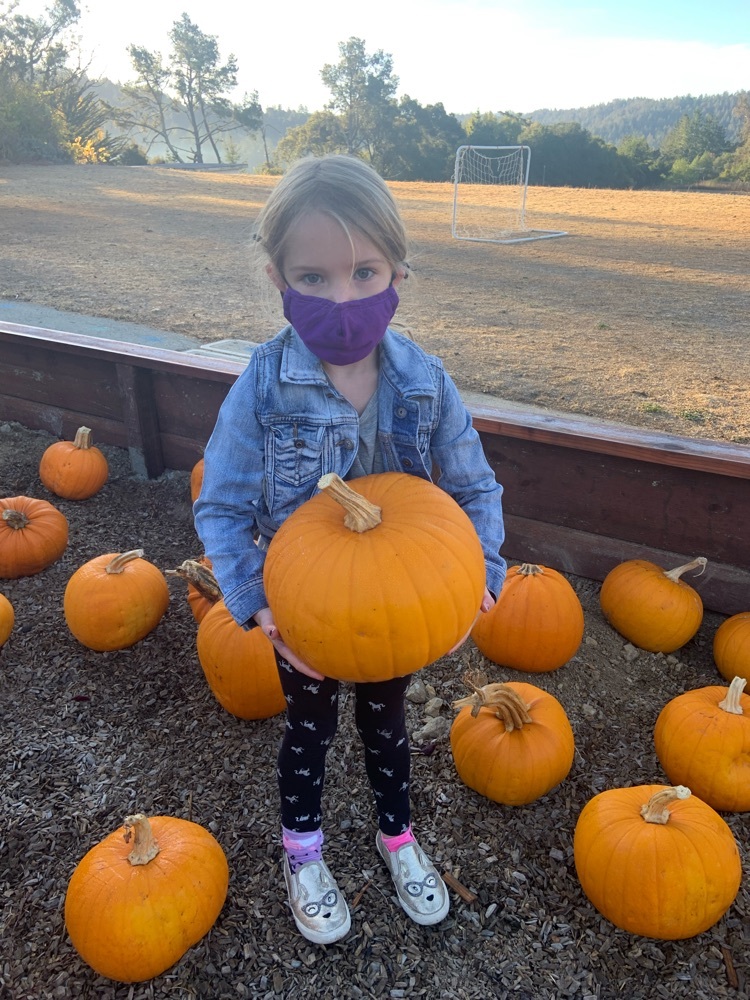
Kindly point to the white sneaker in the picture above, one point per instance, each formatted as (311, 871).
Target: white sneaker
(319, 910)
(420, 890)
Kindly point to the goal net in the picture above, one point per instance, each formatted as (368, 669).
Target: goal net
(489, 195)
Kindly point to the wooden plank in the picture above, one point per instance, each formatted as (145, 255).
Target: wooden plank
(139, 407)
(723, 587)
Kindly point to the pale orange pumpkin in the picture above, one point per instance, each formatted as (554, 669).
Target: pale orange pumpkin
(511, 742)
(7, 619)
(114, 600)
(536, 624)
(33, 535)
(702, 740)
(133, 910)
(196, 479)
(652, 607)
(656, 861)
(75, 470)
(375, 579)
(239, 665)
(731, 647)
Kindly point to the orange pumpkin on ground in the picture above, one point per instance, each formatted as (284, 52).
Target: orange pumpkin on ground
(702, 740)
(132, 911)
(536, 624)
(74, 469)
(114, 600)
(656, 861)
(731, 647)
(7, 619)
(239, 666)
(196, 479)
(511, 742)
(652, 607)
(33, 535)
(375, 579)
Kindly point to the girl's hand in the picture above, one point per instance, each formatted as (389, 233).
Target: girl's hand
(265, 621)
(488, 602)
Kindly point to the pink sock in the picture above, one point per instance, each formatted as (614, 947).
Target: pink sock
(302, 847)
(393, 843)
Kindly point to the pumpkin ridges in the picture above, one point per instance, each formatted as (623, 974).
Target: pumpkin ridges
(33, 535)
(731, 647)
(74, 470)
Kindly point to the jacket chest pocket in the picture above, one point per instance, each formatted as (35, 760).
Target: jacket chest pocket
(296, 453)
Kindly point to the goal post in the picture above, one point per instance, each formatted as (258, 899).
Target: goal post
(489, 195)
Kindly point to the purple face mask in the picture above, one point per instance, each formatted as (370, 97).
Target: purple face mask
(340, 332)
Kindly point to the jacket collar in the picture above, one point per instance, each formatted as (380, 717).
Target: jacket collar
(401, 361)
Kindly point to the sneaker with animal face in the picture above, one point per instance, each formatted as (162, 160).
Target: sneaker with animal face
(419, 888)
(319, 910)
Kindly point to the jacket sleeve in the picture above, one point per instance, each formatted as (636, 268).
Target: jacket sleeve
(226, 510)
(464, 472)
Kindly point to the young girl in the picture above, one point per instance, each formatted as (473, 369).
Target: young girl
(336, 391)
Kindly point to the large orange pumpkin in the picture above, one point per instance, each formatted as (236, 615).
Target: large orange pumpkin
(114, 600)
(196, 479)
(74, 469)
(702, 739)
(133, 910)
(511, 742)
(375, 579)
(652, 607)
(33, 534)
(656, 861)
(239, 665)
(731, 647)
(536, 624)
(7, 619)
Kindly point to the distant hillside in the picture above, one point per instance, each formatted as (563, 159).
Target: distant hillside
(652, 119)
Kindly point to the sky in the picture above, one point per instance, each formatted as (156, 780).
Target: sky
(469, 55)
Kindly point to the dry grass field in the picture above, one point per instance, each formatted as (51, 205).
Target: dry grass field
(639, 315)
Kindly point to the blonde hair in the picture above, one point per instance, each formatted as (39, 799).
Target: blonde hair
(345, 189)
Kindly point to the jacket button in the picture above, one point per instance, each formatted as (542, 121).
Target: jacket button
(347, 444)
(401, 412)
(299, 443)
(408, 463)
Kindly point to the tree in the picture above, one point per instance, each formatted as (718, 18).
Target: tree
(185, 104)
(363, 90)
(694, 135)
(322, 133)
(422, 143)
(486, 129)
(33, 49)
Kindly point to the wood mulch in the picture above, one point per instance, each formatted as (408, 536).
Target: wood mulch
(87, 738)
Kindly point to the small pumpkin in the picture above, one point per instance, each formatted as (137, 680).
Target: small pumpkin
(375, 579)
(133, 911)
(74, 470)
(239, 665)
(511, 742)
(651, 607)
(203, 589)
(33, 535)
(536, 623)
(702, 740)
(196, 479)
(731, 647)
(7, 619)
(114, 600)
(656, 861)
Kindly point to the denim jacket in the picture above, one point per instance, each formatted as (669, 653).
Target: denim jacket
(283, 425)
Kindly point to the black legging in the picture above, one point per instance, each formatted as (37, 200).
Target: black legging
(311, 721)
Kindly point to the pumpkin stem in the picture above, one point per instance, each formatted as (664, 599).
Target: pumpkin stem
(119, 562)
(145, 847)
(675, 574)
(361, 515)
(83, 438)
(731, 703)
(15, 519)
(509, 707)
(656, 811)
(530, 569)
(199, 576)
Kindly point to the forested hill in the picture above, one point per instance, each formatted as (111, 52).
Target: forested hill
(642, 116)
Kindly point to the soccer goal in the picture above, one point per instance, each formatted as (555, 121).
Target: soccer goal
(489, 195)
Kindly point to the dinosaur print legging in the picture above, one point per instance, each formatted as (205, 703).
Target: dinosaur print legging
(311, 719)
